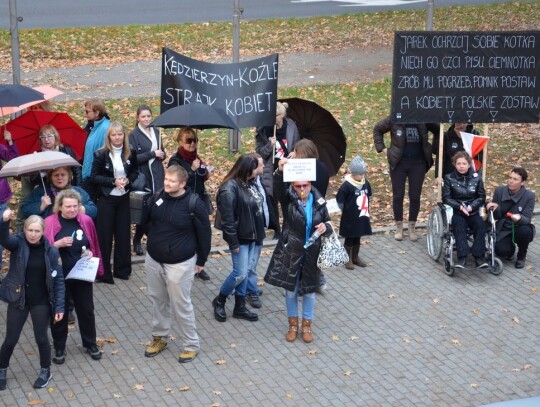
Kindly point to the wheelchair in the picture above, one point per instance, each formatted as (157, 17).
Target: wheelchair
(440, 239)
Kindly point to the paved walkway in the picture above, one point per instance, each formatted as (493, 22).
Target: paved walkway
(398, 333)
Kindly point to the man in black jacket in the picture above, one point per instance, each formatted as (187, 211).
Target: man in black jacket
(178, 245)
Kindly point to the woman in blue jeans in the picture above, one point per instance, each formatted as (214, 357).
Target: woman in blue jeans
(293, 265)
(241, 219)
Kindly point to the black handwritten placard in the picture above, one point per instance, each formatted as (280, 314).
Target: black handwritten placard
(247, 91)
(456, 76)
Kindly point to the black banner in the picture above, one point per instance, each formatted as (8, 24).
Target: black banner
(247, 91)
(456, 76)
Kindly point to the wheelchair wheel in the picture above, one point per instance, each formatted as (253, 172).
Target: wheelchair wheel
(497, 267)
(435, 235)
(448, 268)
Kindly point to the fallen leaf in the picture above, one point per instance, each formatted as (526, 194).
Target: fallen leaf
(172, 338)
(142, 288)
(527, 366)
(335, 338)
(289, 395)
(216, 392)
(117, 396)
(86, 381)
(50, 390)
(456, 342)
(402, 252)
(312, 351)
(185, 388)
(391, 295)
(353, 338)
(516, 369)
(36, 402)
(516, 320)
(475, 312)
(138, 387)
(406, 340)
(534, 290)
(436, 300)
(504, 310)
(71, 395)
(114, 352)
(168, 390)
(221, 362)
(215, 405)
(233, 346)
(474, 385)
(418, 340)
(347, 373)
(30, 353)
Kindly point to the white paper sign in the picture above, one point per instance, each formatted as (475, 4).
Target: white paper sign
(85, 269)
(300, 169)
(332, 206)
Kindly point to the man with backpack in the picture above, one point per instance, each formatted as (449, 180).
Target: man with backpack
(178, 245)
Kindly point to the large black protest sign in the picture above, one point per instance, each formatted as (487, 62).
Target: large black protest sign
(480, 77)
(247, 91)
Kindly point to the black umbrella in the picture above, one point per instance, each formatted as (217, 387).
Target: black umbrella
(320, 126)
(16, 95)
(197, 116)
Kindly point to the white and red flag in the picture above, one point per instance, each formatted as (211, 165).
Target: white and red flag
(474, 144)
(280, 153)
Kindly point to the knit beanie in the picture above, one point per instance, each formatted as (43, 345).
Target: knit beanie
(357, 166)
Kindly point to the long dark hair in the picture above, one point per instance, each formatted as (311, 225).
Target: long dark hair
(242, 169)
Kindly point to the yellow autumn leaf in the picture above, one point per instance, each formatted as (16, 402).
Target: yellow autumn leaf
(475, 311)
(185, 388)
(70, 395)
(534, 290)
(289, 395)
(36, 402)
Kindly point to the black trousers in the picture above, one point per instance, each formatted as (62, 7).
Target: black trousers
(460, 224)
(414, 172)
(523, 235)
(81, 292)
(352, 241)
(41, 316)
(114, 223)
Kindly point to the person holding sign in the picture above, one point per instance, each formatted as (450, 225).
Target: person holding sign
(33, 285)
(272, 144)
(74, 234)
(513, 206)
(409, 157)
(463, 190)
(293, 265)
(241, 219)
(146, 141)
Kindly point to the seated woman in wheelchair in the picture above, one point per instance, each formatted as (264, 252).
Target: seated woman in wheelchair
(513, 206)
(463, 189)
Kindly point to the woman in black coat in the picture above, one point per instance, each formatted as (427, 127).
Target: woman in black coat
(146, 142)
(114, 170)
(292, 266)
(33, 285)
(513, 206)
(464, 191)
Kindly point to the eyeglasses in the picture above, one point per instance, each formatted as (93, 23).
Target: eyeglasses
(301, 186)
(46, 136)
(191, 141)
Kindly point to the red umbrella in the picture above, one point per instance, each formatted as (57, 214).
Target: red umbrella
(25, 131)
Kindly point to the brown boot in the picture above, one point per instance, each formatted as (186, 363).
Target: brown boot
(293, 329)
(412, 232)
(399, 231)
(349, 264)
(307, 335)
(355, 259)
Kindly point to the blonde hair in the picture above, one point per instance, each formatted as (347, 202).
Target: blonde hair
(34, 219)
(281, 108)
(66, 194)
(113, 128)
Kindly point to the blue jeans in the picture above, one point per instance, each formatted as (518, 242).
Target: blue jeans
(291, 301)
(237, 280)
(252, 272)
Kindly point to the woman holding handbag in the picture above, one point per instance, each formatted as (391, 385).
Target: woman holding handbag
(293, 265)
(187, 157)
(146, 142)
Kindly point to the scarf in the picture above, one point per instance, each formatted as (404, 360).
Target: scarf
(190, 157)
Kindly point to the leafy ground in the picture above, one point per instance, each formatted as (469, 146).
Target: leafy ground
(358, 106)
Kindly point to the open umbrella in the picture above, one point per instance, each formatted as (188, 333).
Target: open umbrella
(195, 115)
(48, 93)
(25, 131)
(12, 95)
(29, 163)
(320, 126)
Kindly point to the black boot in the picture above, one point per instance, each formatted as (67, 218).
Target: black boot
(219, 307)
(3, 378)
(240, 310)
(137, 247)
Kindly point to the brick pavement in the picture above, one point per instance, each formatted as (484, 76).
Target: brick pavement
(398, 333)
